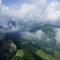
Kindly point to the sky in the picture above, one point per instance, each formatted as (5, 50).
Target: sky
(36, 10)
(31, 10)
(17, 2)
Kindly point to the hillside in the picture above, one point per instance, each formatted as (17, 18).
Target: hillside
(38, 43)
(40, 54)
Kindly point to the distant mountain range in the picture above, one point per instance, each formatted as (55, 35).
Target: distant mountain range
(32, 26)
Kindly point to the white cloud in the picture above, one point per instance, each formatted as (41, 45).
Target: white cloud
(25, 11)
(39, 10)
(58, 35)
(35, 36)
(53, 11)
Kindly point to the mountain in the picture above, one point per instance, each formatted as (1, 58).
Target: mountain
(23, 54)
(12, 33)
(26, 26)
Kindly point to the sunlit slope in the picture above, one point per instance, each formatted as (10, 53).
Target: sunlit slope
(47, 56)
(39, 54)
(25, 55)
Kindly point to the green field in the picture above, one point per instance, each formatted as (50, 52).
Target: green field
(39, 54)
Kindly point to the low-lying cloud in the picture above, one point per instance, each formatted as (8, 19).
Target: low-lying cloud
(38, 10)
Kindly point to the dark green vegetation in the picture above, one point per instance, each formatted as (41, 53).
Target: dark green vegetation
(15, 47)
(38, 55)
(26, 55)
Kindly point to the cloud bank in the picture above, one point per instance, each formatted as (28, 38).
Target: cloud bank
(38, 10)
